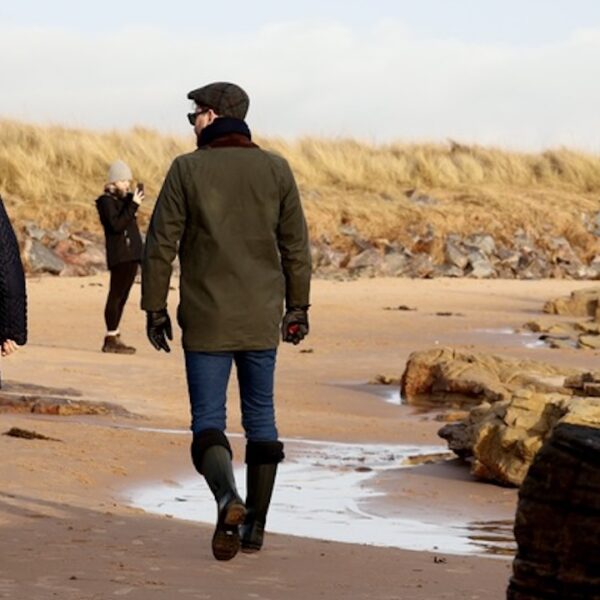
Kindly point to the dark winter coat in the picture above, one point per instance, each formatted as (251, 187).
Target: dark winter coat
(233, 212)
(13, 299)
(123, 238)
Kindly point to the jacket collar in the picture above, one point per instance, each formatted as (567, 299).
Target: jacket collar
(226, 132)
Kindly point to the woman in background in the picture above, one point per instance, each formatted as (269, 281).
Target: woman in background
(117, 208)
(13, 297)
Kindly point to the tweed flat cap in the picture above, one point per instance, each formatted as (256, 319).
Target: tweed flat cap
(226, 99)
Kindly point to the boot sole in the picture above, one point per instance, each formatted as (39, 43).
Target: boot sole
(235, 514)
(226, 539)
(109, 351)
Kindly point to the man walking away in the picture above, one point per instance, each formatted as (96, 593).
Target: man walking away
(233, 212)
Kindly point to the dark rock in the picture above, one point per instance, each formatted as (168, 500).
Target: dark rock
(39, 259)
(26, 434)
(556, 526)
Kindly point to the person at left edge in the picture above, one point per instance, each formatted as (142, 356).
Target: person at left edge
(117, 208)
(13, 296)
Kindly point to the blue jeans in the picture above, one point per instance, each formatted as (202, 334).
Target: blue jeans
(207, 377)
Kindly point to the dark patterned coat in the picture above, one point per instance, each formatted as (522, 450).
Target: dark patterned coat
(13, 299)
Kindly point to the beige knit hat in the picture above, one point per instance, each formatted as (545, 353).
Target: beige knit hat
(119, 171)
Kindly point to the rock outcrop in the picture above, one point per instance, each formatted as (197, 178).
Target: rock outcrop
(582, 333)
(557, 527)
(514, 406)
(451, 378)
(427, 255)
(581, 303)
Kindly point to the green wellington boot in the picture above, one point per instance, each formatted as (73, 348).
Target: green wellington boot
(262, 459)
(215, 464)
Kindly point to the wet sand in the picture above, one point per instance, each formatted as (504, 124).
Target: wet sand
(69, 532)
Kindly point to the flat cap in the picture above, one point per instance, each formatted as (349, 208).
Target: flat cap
(226, 99)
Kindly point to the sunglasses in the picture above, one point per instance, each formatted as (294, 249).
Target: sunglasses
(194, 115)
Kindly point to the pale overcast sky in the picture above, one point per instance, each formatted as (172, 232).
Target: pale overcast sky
(523, 74)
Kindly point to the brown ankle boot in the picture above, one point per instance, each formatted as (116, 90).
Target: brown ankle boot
(114, 345)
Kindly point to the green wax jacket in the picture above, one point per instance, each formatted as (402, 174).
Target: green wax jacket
(233, 214)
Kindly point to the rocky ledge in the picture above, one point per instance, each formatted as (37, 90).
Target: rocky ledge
(513, 406)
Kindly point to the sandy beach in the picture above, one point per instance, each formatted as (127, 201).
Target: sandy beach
(70, 527)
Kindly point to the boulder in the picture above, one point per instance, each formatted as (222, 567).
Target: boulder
(557, 527)
(421, 266)
(589, 341)
(368, 259)
(481, 242)
(454, 253)
(513, 406)
(39, 259)
(511, 415)
(81, 256)
(323, 255)
(395, 264)
(480, 266)
(452, 378)
(581, 303)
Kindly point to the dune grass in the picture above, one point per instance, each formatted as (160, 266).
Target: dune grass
(52, 174)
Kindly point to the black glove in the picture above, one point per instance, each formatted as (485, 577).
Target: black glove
(294, 327)
(158, 329)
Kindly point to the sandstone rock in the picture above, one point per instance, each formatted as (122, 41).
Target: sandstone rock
(535, 326)
(513, 404)
(581, 303)
(560, 343)
(39, 259)
(448, 377)
(382, 379)
(592, 327)
(501, 440)
(427, 459)
(589, 341)
(592, 389)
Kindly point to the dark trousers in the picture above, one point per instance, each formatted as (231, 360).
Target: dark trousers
(122, 277)
(207, 377)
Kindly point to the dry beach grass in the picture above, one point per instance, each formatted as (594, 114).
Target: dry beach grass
(51, 174)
